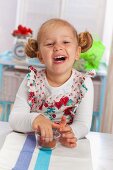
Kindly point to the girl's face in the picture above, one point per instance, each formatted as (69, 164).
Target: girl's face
(58, 50)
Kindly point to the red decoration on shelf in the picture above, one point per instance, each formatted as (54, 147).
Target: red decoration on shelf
(22, 31)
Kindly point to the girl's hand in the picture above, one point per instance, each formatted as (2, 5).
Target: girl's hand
(44, 126)
(67, 136)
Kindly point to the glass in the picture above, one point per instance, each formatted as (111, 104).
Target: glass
(42, 144)
(19, 48)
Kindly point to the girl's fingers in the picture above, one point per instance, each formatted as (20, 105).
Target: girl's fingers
(63, 122)
(68, 135)
(46, 133)
(61, 125)
(65, 129)
(70, 144)
(71, 140)
(42, 132)
(55, 126)
(49, 134)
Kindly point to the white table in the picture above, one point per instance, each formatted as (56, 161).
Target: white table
(102, 150)
(101, 147)
(4, 130)
(20, 152)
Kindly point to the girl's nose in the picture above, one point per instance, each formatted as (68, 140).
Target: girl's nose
(57, 47)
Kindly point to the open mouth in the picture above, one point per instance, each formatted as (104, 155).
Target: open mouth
(60, 58)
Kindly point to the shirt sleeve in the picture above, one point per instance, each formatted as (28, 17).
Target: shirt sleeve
(21, 118)
(83, 118)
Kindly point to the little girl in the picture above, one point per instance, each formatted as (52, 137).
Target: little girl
(57, 93)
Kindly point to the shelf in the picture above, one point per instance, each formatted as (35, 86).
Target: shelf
(7, 58)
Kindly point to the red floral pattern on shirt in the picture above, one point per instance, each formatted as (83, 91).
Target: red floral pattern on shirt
(64, 104)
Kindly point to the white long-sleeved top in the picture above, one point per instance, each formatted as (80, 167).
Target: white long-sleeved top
(21, 117)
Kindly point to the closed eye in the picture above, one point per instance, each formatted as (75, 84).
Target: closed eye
(50, 44)
(66, 42)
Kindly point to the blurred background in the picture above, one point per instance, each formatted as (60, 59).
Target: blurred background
(85, 15)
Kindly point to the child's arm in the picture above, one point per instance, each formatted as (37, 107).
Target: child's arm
(20, 117)
(22, 120)
(82, 122)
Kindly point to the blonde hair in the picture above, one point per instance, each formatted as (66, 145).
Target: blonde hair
(84, 39)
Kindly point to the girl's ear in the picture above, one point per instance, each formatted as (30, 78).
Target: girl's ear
(78, 51)
(39, 56)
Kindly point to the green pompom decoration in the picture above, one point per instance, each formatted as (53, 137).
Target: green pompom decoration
(91, 59)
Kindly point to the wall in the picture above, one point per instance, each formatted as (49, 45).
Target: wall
(32, 13)
(7, 23)
(84, 16)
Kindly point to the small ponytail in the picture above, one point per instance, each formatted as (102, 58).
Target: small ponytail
(31, 48)
(85, 41)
